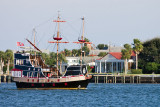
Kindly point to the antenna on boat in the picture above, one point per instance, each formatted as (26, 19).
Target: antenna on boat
(58, 38)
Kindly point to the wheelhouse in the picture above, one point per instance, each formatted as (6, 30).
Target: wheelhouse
(76, 70)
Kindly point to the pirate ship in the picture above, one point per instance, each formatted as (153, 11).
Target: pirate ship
(31, 72)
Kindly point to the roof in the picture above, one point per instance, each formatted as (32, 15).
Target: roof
(133, 53)
(117, 55)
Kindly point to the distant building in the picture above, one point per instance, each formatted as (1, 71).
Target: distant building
(110, 49)
(112, 63)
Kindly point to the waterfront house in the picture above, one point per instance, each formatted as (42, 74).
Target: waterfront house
(112, 63)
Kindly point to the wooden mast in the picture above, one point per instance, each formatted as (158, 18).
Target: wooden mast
(82, 41)
(34, 46)
(57, 43)
(82, 38)
(58, 38)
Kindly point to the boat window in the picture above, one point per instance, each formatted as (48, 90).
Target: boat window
(72, 73)
(73, 68)
(19, 62)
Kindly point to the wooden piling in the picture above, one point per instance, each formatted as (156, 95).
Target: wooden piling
(115, 79)
(9, 79)
(133, 79)
(152, 79)
(112, 79)
(0, 78)
(139, 79)
(124, 80)
(106, 79)
(4, 78)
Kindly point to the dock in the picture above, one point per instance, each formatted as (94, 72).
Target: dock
(5, 78)
(132, 78)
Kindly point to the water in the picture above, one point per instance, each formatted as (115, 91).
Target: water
(96, 95)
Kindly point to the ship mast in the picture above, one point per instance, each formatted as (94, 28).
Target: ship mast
(82, 41)
(82, 38)
(34, 31)
(57, 39)
(57, 43)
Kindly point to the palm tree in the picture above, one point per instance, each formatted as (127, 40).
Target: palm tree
(9, 59)
(138, 47)
(126, 54)
(1, 61)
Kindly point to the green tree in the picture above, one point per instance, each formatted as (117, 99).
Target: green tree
(52, 59)
(86, 50)
(126, 54)
(151, 67)
(74, 52)
(79, 52)
(150, 53)
(9, 58)
(102, 54)
(2, 56)
(86, 40)
(49, 59)
(67, 52)
(138, 47)
(62, 58)
(102, 46)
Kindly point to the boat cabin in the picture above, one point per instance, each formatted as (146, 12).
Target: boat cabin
(76, 70)
(31, 66)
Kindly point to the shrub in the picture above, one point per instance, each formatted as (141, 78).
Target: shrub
(136, 71)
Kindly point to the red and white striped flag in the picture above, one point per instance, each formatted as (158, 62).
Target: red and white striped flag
(20, 44)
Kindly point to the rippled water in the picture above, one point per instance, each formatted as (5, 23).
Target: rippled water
(96, 95)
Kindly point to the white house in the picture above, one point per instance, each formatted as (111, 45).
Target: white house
(112, 63)
(70, 61)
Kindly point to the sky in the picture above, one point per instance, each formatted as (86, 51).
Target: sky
(114, 22)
